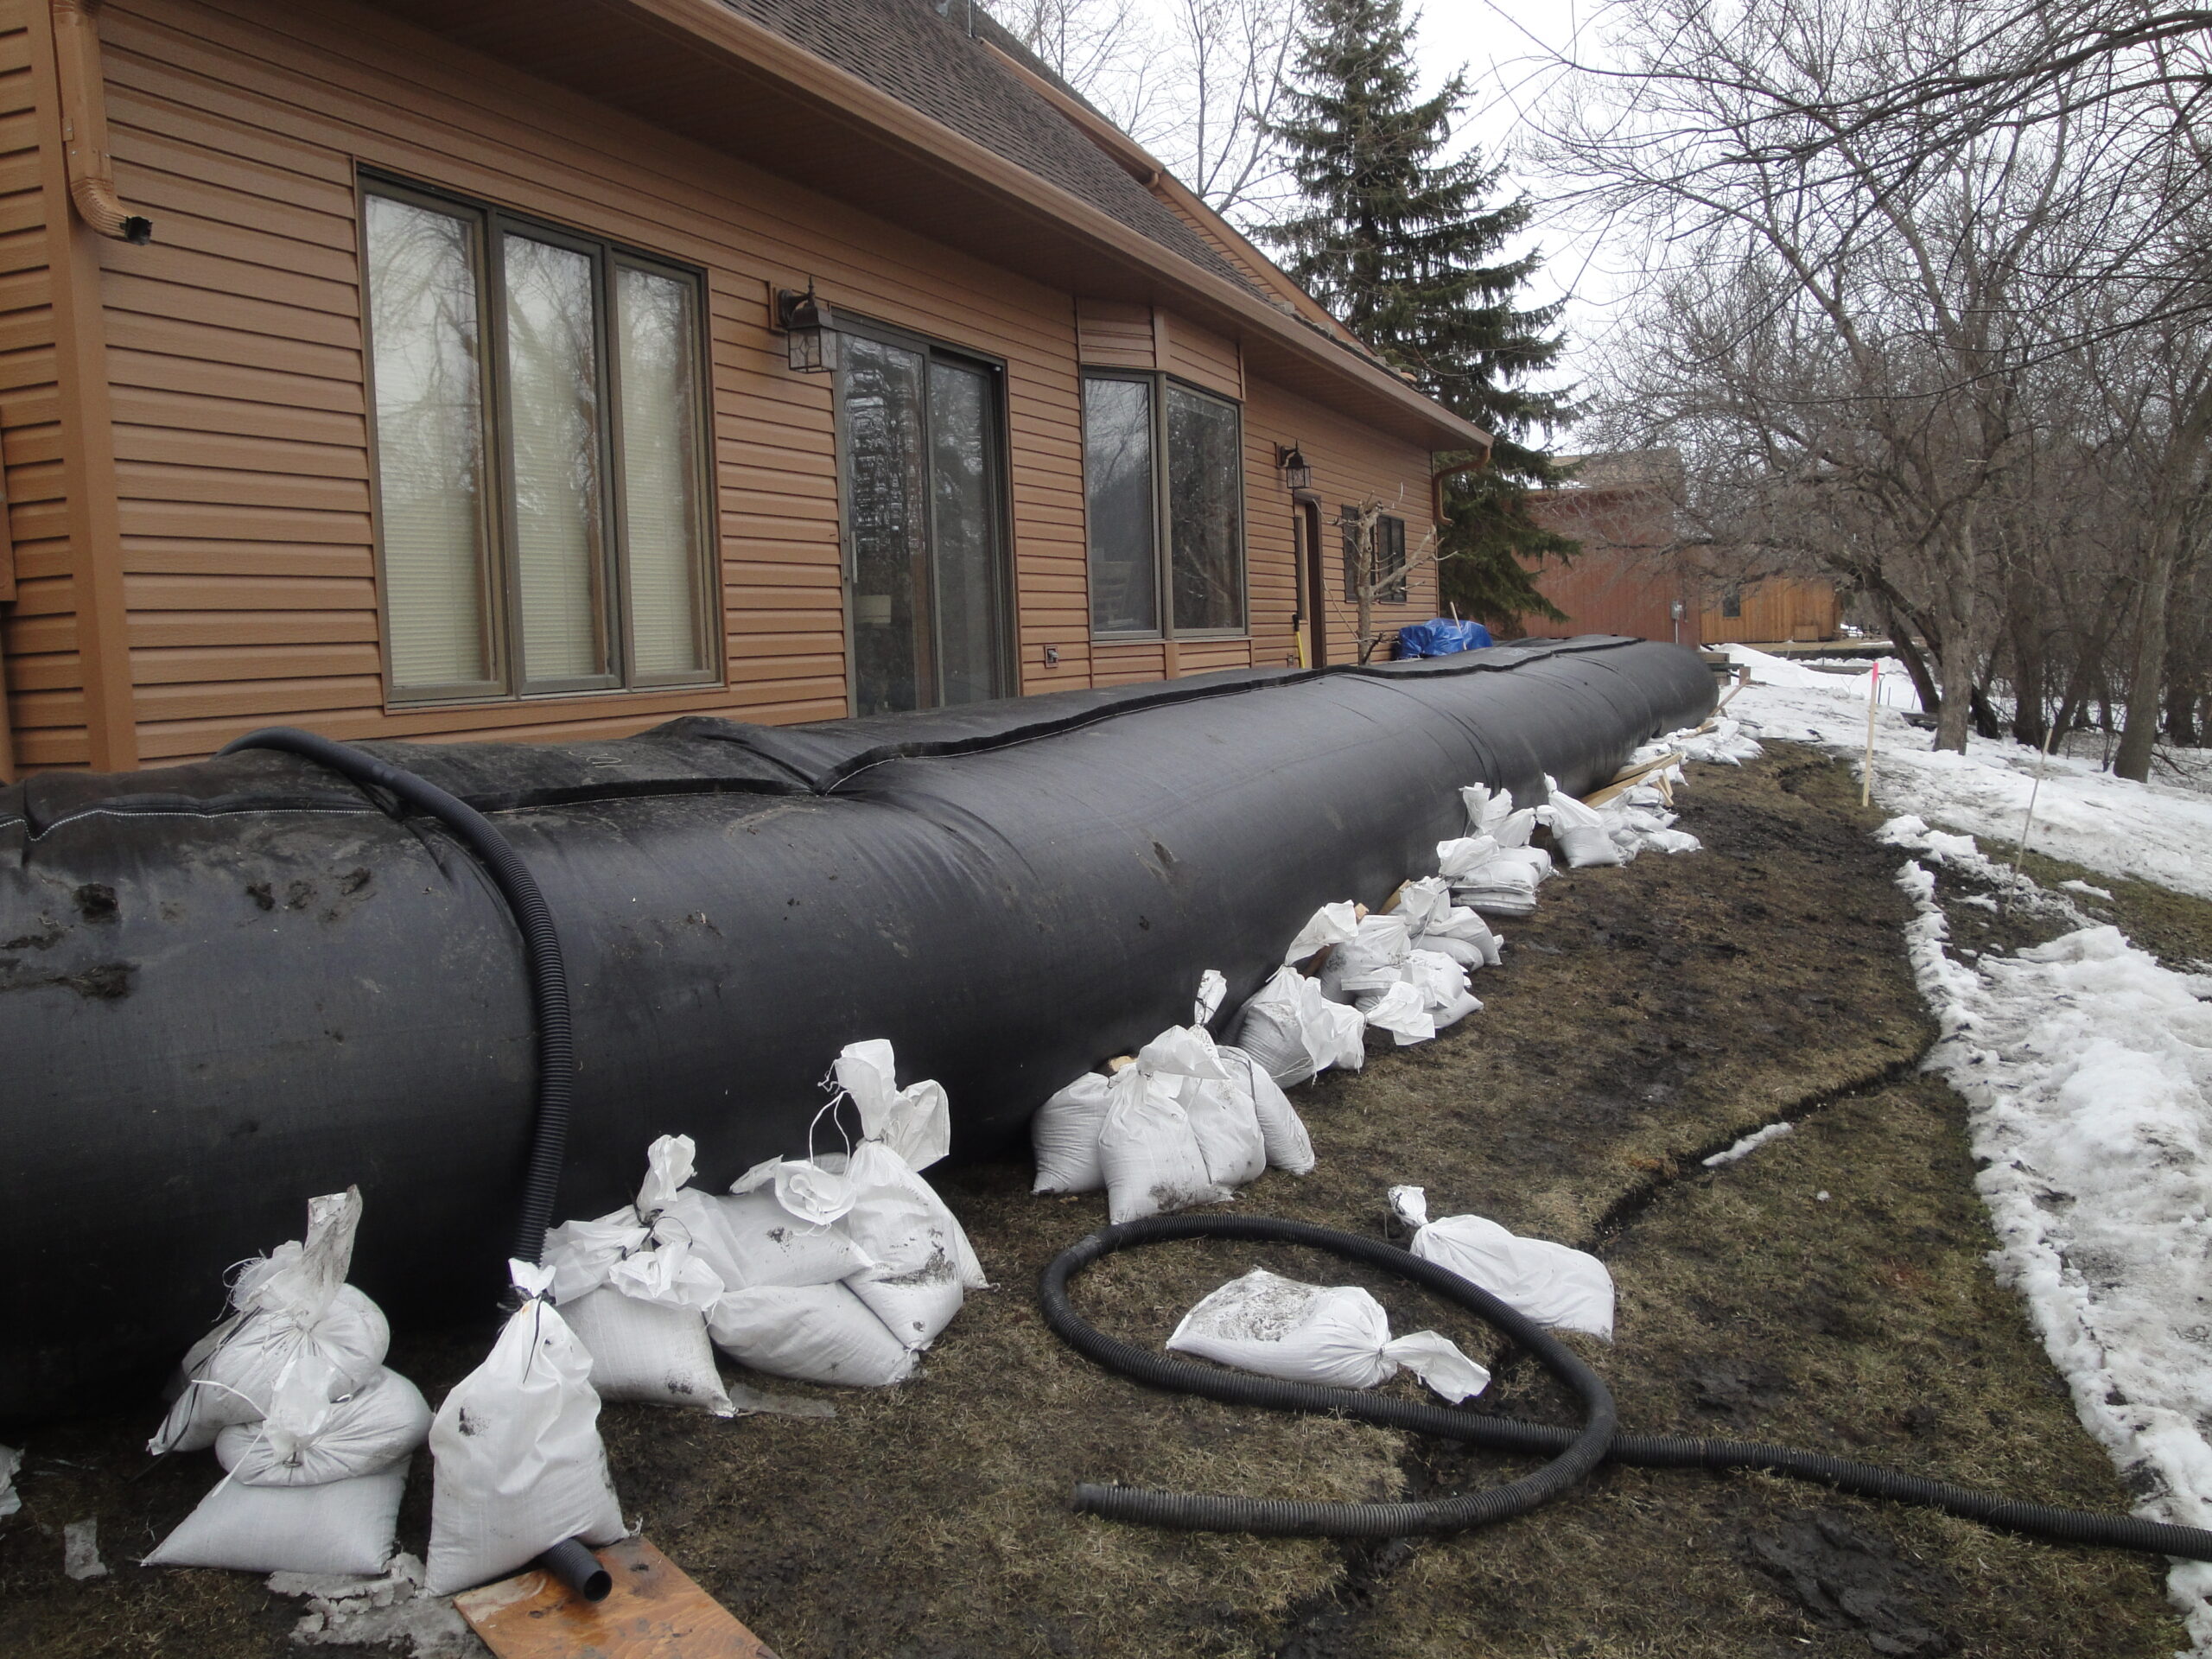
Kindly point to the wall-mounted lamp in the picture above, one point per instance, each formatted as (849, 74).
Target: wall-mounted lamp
(1291, 463)
(810, 332)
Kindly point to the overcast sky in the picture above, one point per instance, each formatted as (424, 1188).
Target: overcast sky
(1503, 44)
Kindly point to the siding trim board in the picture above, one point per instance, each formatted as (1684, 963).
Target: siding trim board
(91, 511)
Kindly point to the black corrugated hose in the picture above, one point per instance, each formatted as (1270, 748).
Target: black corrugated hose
(1574, 1452)
(549, 977)
(570, 1560)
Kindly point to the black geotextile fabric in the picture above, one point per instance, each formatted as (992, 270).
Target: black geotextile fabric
(227, 986)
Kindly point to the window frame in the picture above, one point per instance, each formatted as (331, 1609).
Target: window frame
(998, 436)
(500, 584)
(1163, 549)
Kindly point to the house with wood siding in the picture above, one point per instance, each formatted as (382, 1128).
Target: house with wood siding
(551, 370)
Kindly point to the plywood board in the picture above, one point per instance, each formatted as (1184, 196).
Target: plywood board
(654, 1611)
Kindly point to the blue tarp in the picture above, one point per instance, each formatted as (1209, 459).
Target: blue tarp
(1441, 637)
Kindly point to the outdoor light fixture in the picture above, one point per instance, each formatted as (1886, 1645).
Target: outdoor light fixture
(1290, 461)
(811, 334)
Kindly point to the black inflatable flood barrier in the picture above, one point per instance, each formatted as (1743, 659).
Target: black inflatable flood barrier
(229, 986)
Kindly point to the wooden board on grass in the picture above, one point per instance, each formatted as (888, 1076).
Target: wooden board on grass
(654, 1611)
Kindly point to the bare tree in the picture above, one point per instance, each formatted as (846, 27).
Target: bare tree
(1197, 82)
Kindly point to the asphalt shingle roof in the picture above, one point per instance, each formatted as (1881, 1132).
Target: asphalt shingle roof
(927, 59)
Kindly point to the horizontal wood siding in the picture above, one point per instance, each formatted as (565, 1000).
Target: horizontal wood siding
(1205, 360)
(1350, 464)
(235, 351)
(234, 365)
(1114, 334)
(1777, 609)
(41, 702)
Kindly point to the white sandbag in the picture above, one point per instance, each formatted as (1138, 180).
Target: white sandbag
(1584, 840)
(1181, 1052)
(1212, 986)
(635, 1294)
(1493, 815)
(1434, 922)
(1401, 1011)
(1552, 1284)
(1335, 1034)
(1153, 1162)
(915, 1122)
(903, 1227)
(816, 1195)
(1226, 1124)
(519, 1463)
(749, 1239)
(816, 1333)
(1339, 1337)
(1283, 1133)
(309, 1439)
(1273, 1030)
(1371, 961)
(654, 1352)
(293, 1302)
(1442, 983)
(343, 1527)
(1330, 924)
(913, 1125)
(1064, 1137)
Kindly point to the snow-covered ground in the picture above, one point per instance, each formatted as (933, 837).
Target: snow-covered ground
(2086, 1071)
(2160, 831)
(2086, 1066)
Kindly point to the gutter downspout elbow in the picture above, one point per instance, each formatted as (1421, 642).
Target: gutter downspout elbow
(84, 125)
(1452, 470)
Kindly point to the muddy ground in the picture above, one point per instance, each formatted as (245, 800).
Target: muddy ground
(1830, 1291)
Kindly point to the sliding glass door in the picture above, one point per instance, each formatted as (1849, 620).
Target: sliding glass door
(924, 544)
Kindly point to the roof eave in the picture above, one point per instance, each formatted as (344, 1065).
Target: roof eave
(1278, 347)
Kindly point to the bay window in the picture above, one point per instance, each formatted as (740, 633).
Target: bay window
(540, 457)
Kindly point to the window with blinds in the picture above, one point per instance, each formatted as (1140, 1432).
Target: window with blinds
(540, 427)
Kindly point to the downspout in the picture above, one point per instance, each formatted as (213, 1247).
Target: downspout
(84, 125)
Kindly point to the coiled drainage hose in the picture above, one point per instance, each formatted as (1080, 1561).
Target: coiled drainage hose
(568, 1561)
(1574, 1452)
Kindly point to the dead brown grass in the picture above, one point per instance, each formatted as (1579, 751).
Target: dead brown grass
(1645, 1016)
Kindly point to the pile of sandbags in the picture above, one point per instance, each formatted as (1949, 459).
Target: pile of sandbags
(636, 1292)
(843, 1267)
(1183, 1122)
(519, 1460)
(1397, 987)
(1492, 878)
(313, 1432)
(1434, 922)
(1553, 1284)
(1336, 1335)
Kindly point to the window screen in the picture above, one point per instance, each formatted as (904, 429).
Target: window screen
(1121, 491)
(540, 458)
(425, 324)
(1205, 514)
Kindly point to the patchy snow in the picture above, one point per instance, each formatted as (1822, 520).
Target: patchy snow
(2086, 890)
(1750, 1144)
(2087, 1070)
(2159, 831)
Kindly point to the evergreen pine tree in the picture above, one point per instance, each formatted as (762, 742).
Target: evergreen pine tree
(1393, 240)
